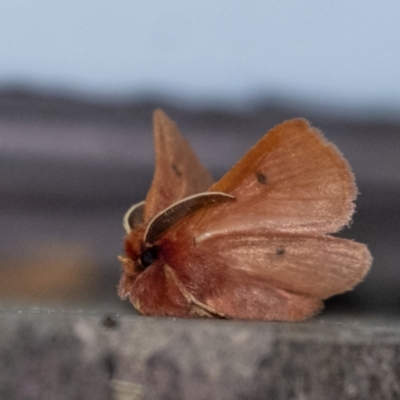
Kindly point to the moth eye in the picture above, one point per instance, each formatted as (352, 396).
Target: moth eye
(148, 256)
(261, 178)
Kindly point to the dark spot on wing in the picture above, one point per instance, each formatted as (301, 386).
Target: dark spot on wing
(261, 178)
(176, 170)
(280, 250)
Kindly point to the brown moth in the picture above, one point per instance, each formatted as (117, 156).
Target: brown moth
(255, 244)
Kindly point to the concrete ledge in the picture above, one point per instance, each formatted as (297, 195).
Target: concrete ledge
(80, 355)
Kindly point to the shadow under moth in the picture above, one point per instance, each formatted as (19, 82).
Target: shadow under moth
(255, 244)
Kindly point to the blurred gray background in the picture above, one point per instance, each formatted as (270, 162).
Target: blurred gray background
(79, 82)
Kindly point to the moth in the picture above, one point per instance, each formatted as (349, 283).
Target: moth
(255, 244)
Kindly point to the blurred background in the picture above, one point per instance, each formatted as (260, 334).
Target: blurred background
(79, 81)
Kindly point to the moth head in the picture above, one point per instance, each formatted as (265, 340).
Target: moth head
(134, 245)
(140, 254)
(141, 237)
(141, 247)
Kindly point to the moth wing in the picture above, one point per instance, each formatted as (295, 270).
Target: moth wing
(292, 180)
(178, 171)
(319, 266)
(263, 302)
(244, 297)
(270, 277)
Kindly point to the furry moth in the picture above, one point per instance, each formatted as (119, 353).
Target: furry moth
(255, 244)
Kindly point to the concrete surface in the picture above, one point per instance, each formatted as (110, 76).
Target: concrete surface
(71, 355)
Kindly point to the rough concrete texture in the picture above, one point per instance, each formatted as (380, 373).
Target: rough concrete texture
(76, 355)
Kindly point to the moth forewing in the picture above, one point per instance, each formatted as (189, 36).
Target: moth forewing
(293, 180)
(178, 171)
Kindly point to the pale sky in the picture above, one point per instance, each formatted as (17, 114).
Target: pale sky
(340, 53)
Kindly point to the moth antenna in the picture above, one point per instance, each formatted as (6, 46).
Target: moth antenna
(179, 210)
(133, 217)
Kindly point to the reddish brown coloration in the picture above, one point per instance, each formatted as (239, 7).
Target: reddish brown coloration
(264, 254)
(178, 172)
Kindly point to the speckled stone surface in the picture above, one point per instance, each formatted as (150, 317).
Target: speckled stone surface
(81, 355)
